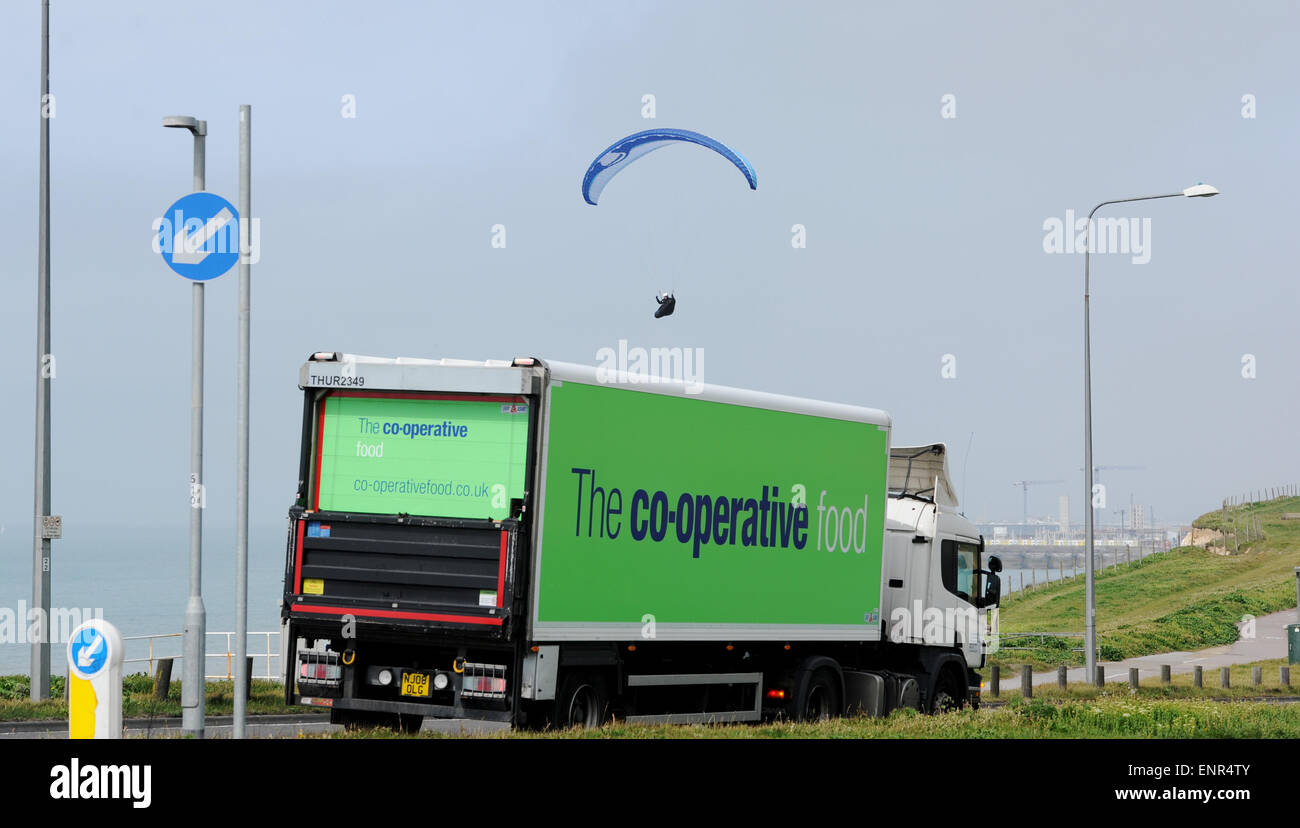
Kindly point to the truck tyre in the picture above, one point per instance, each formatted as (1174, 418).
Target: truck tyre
(948, 695)
(583, 701)
(368, 720)
(821, 698)
(357, 719)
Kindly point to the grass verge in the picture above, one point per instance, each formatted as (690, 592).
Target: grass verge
(1109, 716)
(137, 699)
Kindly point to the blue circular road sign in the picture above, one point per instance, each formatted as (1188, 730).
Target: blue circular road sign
(88, 651)
(198, 236)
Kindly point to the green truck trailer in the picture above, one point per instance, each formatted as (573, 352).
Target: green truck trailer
(549, 544)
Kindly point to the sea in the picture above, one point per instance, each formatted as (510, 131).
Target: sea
(138, 580)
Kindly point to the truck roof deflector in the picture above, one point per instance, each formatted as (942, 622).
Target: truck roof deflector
(922, 472)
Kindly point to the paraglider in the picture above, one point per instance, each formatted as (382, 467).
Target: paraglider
(624, 151)
(618, 155)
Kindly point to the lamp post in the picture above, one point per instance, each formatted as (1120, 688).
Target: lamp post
(192, 685)
(40, 664)
(1090, 629)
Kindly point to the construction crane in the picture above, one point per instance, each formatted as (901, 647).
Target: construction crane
(1096, 470)
(1025, 484)
(1096, 480)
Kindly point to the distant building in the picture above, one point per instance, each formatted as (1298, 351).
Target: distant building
(1139, 518)
(1065, 513)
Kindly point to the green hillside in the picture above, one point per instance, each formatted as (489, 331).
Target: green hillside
(1185, 599)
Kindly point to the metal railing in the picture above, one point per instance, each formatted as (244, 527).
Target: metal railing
(271, 654)
(1042, 639)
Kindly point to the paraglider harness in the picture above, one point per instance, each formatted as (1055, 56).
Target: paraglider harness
(667, 304)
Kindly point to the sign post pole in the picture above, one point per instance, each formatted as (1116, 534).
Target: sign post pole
(198, 238)
(241, 472)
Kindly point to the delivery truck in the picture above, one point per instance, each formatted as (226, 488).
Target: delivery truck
(549, 545)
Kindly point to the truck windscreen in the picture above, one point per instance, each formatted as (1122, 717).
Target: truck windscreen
(461, 457)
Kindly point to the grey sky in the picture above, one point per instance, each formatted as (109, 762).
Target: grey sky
(925, 234)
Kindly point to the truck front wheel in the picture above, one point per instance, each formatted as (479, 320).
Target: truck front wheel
(948, 694)
(821, 698)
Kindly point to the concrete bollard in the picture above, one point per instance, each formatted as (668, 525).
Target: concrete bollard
(1257, 676)
(995, 681)
(1099, 679)
(1198, 673)
(1165, 671)
(1061, 675)
(1224, 680)
(1285, 677)
(1132, 679)
(1026, 682)
(162, 679)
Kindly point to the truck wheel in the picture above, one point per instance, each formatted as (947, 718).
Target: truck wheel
(582, 702)
(357, 719)
(821, 700)
(947, 694)
(368, 720)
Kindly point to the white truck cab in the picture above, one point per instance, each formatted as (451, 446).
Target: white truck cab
(937, 589)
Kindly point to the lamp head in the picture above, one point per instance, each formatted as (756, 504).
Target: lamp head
(1201, 190)
(189, 122)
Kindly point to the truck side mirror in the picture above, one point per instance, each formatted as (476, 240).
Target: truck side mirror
(993, 584)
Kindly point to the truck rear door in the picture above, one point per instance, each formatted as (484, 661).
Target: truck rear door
(411, 510)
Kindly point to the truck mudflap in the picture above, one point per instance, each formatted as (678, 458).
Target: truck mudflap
(400, 570)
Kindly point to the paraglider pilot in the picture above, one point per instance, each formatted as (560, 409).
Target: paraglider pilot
(667, 304)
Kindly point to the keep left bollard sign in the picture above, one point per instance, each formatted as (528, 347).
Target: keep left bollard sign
(95, 681)
(198, 236)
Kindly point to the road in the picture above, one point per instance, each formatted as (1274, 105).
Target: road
(219, 727)
(1269, 642)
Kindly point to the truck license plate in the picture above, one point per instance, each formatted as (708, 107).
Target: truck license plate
(415, 684)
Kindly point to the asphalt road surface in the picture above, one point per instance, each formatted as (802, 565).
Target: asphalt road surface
(1268, 642)
(287, 726)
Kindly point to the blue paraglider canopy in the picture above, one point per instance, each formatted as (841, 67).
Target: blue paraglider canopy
(624, 151)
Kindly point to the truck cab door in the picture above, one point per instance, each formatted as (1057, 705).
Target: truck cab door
(956, 592)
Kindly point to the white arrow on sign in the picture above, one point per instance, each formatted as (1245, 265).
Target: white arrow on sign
(84, 657)
(189, 249)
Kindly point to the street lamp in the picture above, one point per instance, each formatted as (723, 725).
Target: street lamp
(200, 130)
(1200, 190)
(192, 686)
